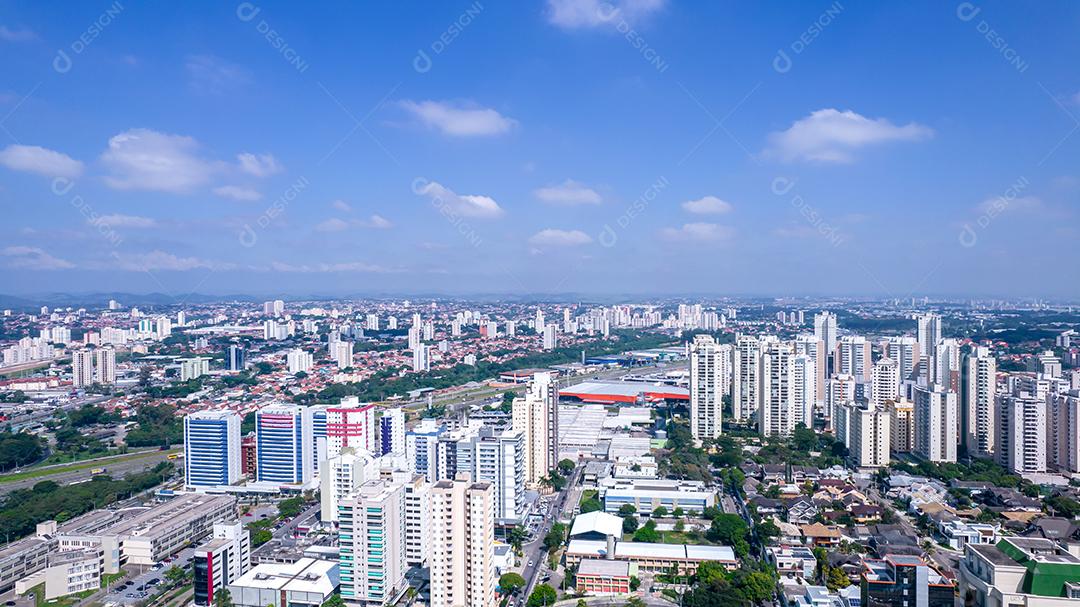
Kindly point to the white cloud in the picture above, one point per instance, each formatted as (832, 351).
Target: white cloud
(459, 119)
(699, 232)
(117, 220)
(20, 35)
(574, 14)
(465, 205)
(209, 74)
(559, 238)
(142, 159)
(568, 192)
(351, 266)
(342, 206)
(33, 258)
(1001, 204)
(830, 135)
(708, 205)
(237, 192)
(43, 161)
(160, 260)
(332, 225)
(259, 165)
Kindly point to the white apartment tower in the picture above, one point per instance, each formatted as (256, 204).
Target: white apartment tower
(462, 530)
(82, 368)
(372, 541)
(902, 426)
(1023, 434)
(853, 357)
(536, 417)
(710, 377)
(978, 389)
(870, 436)
(298, 360)
(105, 365)
(936, 424)
(746, 376)
(805, 388)
(776, 391)
(885, 383)
(825, 330)
(810, 345)
(928, 334)
(339, 477)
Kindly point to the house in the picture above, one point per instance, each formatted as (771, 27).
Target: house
(865, 513)
(774, 473)
(793, 561)
(1013, 500)
(802, 511)
(958, 534)
(1051, 528)
(766, 506)
(802, 474)
(817, 534)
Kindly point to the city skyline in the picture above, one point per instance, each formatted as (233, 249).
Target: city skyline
(635, 148)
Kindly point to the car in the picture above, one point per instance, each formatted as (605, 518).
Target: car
(153, 581)
(10, 603)
(531, 563)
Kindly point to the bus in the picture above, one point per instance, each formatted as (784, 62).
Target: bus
(97, 471)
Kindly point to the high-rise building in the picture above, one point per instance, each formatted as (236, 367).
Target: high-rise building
(220, 561)
(710, 377)
(904, 581)
(417, 513)
(235, 358)
(810, 345)
(776, 394)
(946, 365)
(928, 335)
(82, 368)
(192, 368)
(342, 353)
(979, 386)
(551, 336)
(350, 425)
(299, 360)
(825, 330)
(285, 444)
(853, 357)
(746, 377)
(421, 448)
(902, 425)
(936, 423)
(1022, 433)
(1063, 431)
(805, 389)
(885, 383)
(905, 351)
(211, 449)
(536, 417)
(105, 365)
(339, 476)
(499, 459)
(462, 532)
(869, 436)
(421, 358)
(392, 431)
(372, 539)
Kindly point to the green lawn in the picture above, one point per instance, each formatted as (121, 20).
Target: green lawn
(109, 578)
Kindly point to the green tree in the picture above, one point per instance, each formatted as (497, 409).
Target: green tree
(511, 583)
(555, 537)
(836, 579)
(635, 583)
(542, 596)
(711, 572)
(647, 533)
(290, 507)
(629, 524)
(730, 530)
(175, 575)
(803, 438)
(566, 466)
(517, 537)
(591, 505)
(660, 512)
(627, 510)
(678, 512)
(223, 598)
(582, 603)
(335, 600)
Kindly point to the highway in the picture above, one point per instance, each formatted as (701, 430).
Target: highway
(116, 466)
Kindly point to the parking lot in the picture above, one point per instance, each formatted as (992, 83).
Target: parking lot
(142, 581)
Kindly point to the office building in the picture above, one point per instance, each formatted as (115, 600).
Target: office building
(710, 382)
(979, 386)
(235, 358)
(211, 449)
(220, 561)
(536, 417)
(462, 533)
(284, 444)
(904, 581)
(372, 544)
(936, 424)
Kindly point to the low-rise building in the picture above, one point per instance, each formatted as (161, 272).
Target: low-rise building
(305, 583)
(603, 577)
(651, 558)
(65, 573)
(904, 581)
(647, 494)
(796, 561)
(1019, 572)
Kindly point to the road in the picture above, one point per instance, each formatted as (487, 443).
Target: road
(561, 508)
(116, 466)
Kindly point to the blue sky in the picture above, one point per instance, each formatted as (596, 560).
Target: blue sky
(640, 146)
